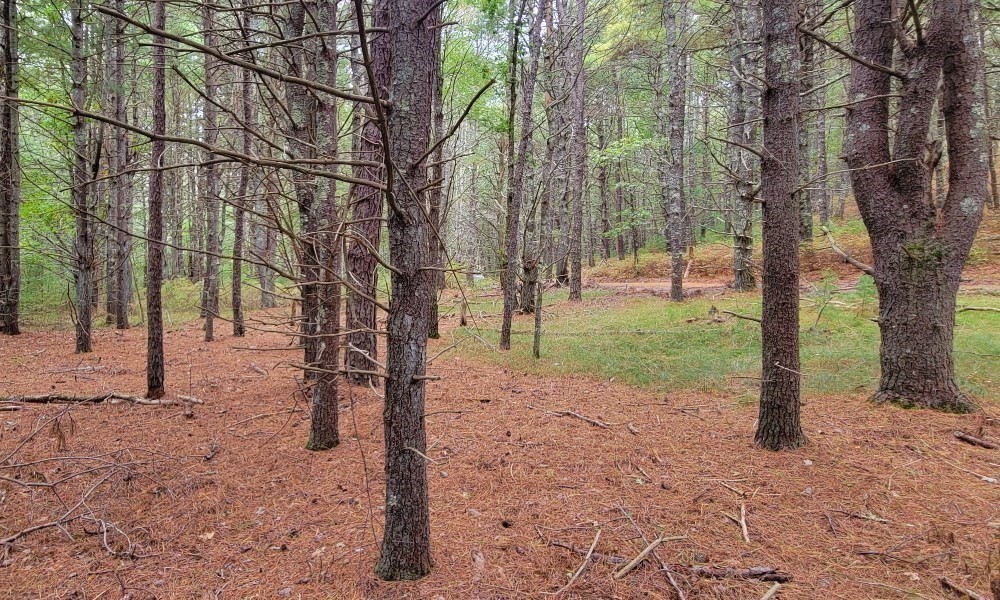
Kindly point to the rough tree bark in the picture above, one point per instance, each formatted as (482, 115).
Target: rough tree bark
(324, 432)
(778, 424)
(10, 174)
(436, 181)
(919, 247)
(83, 247)
(807, 68)
(154, 250)
(364, 237)
(120, 207)
(243, 187)
(406, 552)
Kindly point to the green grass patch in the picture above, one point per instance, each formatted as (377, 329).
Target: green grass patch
(655, 344)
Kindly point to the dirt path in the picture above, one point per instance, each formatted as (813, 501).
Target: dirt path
(228, 503)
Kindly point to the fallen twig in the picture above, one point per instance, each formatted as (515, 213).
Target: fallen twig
(742, 521)
(771, 592)
(949, 586)
(978, 308)
(569, 413)
(739, 316)
(583, 565)
(645, 552)
(975, 441)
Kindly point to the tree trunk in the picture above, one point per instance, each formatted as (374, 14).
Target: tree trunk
(212, 201)
(83, 273)
(744, 113)
(778, 424)
(674, 11)
(10, 174)
(602, 184)
(324, 432)
(366, 215)
(807, 78)
(515, 197)
(406, 552)
(154, 250)
(578, 149)
(121, 201)
(919, 245)
(435, 216)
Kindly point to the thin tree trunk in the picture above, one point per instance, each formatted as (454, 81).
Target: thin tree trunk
(778, 423)
(435, 230)
(241, 201)
(10, 174)
(84, 244)
(578, 148)
(807, 70)
(602, 185)
(744, 112)
(674, 11)
(366, 215)
(211, 195)
(515, 199)
(154, 250)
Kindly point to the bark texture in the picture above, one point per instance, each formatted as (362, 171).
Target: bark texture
(919, 245)
(154, 250)
(83, 246)
(778, 424)
(413, 54)
(10, 174)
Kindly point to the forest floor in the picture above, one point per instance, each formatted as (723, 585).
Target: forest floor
(221, 499)
(227, 503)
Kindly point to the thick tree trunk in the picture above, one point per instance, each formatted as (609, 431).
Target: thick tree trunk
(406, 552)
(154, 250)
(778, 423)
(83, 247)
(919, 243)
(10, 174)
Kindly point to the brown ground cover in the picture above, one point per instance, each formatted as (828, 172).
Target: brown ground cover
(227, 503)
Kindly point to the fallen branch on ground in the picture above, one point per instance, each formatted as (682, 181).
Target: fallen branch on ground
(741, 521)
(847, 258)
(962, 592)
(569, 413)
(739, 316)
(759, 573)
(971, 439)
(771, 592)
(642, 555)
(583, 566)
(109, 397)
(978, 308)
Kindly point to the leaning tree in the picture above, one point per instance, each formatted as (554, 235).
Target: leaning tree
(919, 242)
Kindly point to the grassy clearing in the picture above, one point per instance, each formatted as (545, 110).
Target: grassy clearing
(655, 344)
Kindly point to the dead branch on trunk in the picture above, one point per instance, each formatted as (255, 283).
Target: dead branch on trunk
(109, 397)
(975, 441)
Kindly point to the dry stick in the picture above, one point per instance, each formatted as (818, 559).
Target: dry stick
(847, 258)
(971, 439)
(979, 308)
(111, 397)
(569, 413)
(739, 316)
(583, 566)
(663, 566)
(771, 592)
(742, 521)
(760, 573)
(642, 555)
(963, 592)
